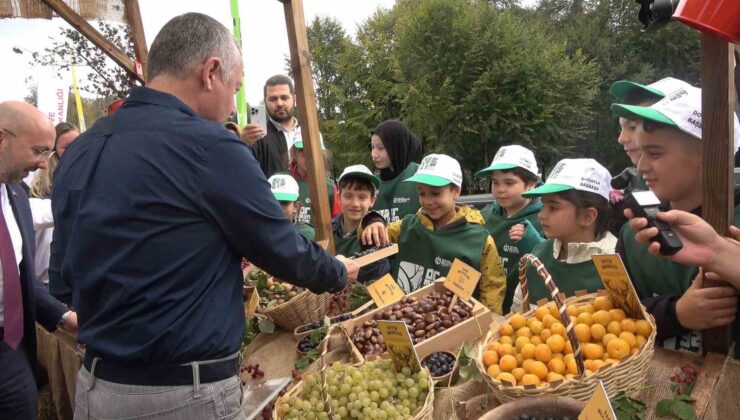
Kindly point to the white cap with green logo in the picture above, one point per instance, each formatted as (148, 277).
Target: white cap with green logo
(659, 89)
(360, 171)
(438, 170)
(509, 157)
(284, 187)
(575, 174)
(298, 140)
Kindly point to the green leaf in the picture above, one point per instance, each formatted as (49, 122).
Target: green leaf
(266, 326)
(686, 398)
(664, 408)
(683, 411)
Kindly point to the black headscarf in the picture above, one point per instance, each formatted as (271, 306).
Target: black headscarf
(402, 145)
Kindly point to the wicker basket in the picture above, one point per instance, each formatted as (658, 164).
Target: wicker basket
(628, 374)
(423, 413)
(305, 308)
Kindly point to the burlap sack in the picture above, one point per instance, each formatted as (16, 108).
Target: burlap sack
(725, 403)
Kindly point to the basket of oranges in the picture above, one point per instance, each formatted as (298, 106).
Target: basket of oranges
(565, 347)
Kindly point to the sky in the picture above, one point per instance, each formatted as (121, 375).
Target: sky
(264, 36)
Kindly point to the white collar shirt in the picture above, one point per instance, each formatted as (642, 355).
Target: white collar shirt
(289, 134)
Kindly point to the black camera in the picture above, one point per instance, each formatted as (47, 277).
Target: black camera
(656, 13)
(626, 180)
(646, 204)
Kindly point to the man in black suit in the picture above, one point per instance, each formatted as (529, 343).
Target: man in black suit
(26, 143)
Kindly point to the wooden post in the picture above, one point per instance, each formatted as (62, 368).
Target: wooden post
(79, 23)
(300, 59)
(718, 106)
(133, 17)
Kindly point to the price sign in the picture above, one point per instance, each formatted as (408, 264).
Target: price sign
(462, 279)
(618, 285)
(598, 406)
(385, 291)
(252, 301)
(400, 347)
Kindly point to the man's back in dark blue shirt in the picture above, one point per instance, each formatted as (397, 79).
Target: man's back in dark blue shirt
(154, 208)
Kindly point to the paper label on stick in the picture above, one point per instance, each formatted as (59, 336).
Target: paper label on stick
(385, 291)
(462, 279)
(400, 347)
(617, 283)
(598, 406)
(253, 300)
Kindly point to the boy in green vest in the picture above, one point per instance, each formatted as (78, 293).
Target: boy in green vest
(669, 135)
(357, 191)
(513, 172)
(438, 233)
(299, 171)
(285, 190)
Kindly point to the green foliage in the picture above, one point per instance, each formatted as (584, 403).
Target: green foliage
(469, 76)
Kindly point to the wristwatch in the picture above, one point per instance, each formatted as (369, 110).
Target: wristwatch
(63, 319)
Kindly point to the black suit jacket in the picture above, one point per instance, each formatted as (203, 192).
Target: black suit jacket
(38, 305)
(271, 151)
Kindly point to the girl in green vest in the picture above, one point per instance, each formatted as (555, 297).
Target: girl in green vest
(513, 172)
(439, 232)
(395, 151)
(299, 171)
(575, 217)
(285, 190)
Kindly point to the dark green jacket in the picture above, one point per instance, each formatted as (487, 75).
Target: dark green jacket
(396, 198)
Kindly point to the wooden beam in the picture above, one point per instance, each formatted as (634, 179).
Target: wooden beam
(718, 106)
(301, 65)
(133, 17)
(79, 23)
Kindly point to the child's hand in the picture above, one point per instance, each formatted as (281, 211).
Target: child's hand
(701, 309)
(516, 232)
(375, 234)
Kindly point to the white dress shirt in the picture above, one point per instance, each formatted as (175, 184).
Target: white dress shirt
(43, 225)
(15, 237)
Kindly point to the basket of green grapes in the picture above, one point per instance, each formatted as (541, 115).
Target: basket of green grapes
(374, 389)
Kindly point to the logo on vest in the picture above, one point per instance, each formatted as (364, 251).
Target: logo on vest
(511, 249)
(442, 262)
(412, 276)
(401, 200)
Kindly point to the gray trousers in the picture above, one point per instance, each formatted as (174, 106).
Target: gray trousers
(98, 399)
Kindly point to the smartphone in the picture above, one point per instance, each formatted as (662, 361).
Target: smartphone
(258, 115)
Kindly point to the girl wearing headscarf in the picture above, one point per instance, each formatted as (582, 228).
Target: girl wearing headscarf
(396, 153)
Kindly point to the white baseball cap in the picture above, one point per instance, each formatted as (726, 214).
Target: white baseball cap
(360, 171)
(298, 140)
(283, 187)
(576, 174)
(680, 108)
(509, 157)
(659, 89)
(438, 170)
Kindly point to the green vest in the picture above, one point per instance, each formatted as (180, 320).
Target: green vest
(306, 230)
(424, 255)
(511, 251)
(569, 277)
(396, 198)
(304, 213)
(346, 245)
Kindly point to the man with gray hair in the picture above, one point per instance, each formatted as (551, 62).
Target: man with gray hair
(155, 206)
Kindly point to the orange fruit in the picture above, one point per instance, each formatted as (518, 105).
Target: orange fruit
(568, 357)
(558, 328)
(556, 343)
(530, 321)
(583, 332)
(494, 346)
(558, 356)
(527, 351)
(520, 341)
(610, 361)
(572, 310)
(540, 312)
(506, 377)
(545, 334)
(628, 324)
(536, 327)
(519, 359)
(569, 376)
(603, 303)
(493, 371)
(517, 321)
(597, 364)
(539, 369)
(557, 366)
(568, 347)
(643, 328)
(506, 340)
(571, 367)
(543, 353)
(507, 363)
(601, 317)
(598, 331)
(618, 348)
(629, 338)
(617, 314)
(634, 350)
(505, 349)
(518, 373)
(523, 332)
(490, 357)
(588, 308)
(552, 377)
(607, 338)
(507, 330)
(530, 379)
(584, 318)
(548, 320)
(527, 365)
(593, 351)
(614, 327)
(640, 341)
(536, 340)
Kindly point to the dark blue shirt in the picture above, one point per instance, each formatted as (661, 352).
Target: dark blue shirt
(154, 208)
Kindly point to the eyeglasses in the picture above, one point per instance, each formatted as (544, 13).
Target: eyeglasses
(40, 153)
